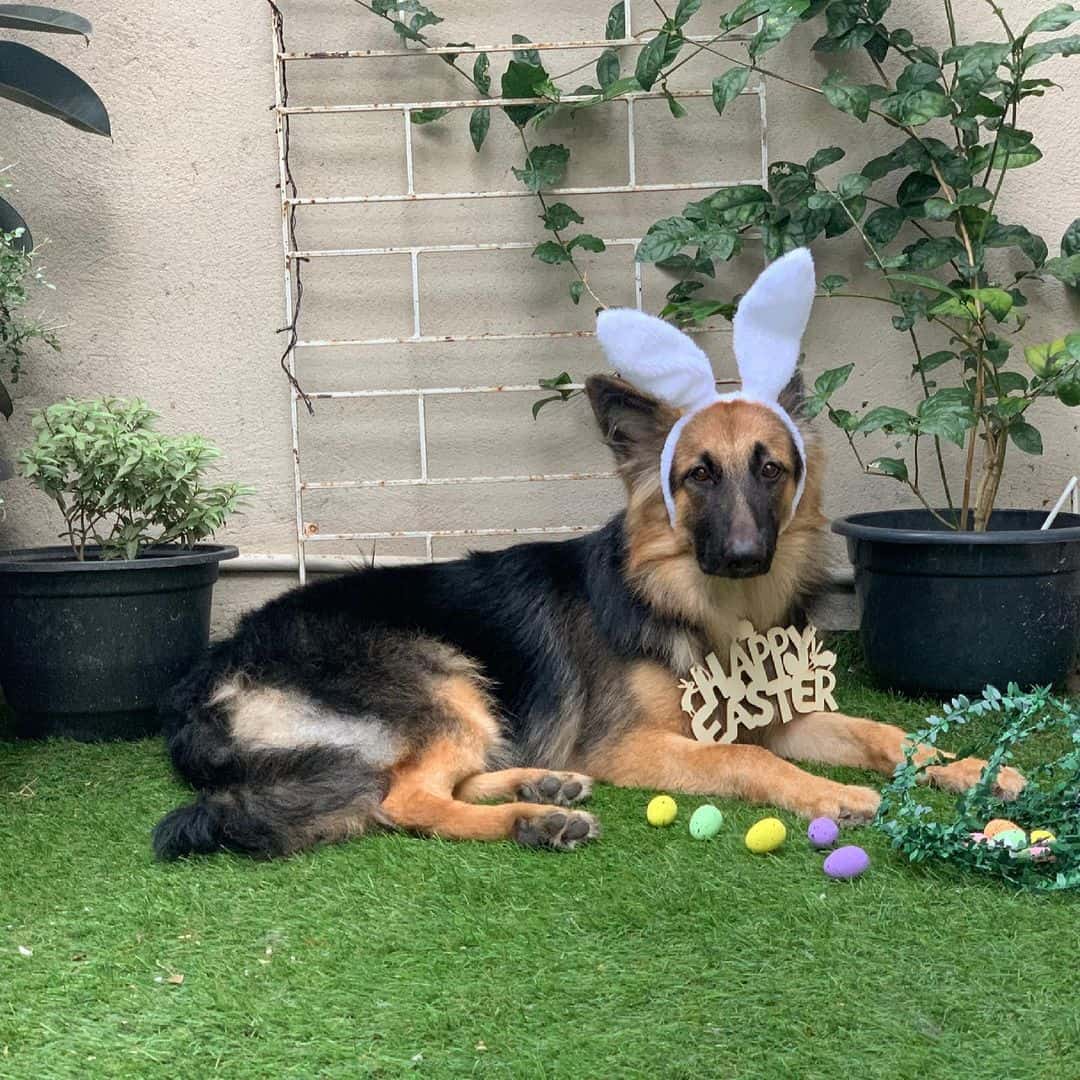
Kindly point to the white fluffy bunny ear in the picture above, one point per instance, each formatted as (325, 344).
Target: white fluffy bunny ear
(770, 322)
(656, 357)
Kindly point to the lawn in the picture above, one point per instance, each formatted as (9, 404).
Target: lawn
(648, 954)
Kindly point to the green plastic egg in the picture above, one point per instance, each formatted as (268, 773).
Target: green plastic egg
(705, 822)
(1012, 838)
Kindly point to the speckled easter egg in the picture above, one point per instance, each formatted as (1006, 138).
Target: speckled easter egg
(978, 837)
(1011, 838)
(822, 832)
(846, 862)
(1042, 836)
(661, 811)
(766, 835)
(1039, 853)
(705, 822)
(999, 825)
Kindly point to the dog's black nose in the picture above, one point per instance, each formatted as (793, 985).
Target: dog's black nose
(744, 555)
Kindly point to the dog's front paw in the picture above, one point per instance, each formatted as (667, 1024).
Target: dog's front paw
(557, 830)
(963, 774)
(846, 804)
(557, 789)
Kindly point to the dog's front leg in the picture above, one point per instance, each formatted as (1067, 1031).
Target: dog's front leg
(673, 762)
(835, 739)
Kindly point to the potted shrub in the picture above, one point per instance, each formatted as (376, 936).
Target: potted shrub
(95, 630)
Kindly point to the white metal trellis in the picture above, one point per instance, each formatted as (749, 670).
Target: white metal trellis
(292, 198)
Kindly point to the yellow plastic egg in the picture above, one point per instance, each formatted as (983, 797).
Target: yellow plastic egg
(766, 835)
(1042, 836)
(661, 811)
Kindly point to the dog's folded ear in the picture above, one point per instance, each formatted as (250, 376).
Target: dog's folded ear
(793, 395)
(634, 424)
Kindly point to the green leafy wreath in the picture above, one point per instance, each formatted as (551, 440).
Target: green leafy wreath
(1051, 799)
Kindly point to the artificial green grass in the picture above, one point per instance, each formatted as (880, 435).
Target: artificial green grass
(647, 954)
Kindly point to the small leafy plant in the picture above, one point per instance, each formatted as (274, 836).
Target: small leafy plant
(120, 484)
(952, 270)
(17, 268)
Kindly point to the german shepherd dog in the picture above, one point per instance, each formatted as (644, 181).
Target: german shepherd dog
(413, 696)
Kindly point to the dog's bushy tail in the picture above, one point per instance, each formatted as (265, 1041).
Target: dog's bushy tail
(326, 795)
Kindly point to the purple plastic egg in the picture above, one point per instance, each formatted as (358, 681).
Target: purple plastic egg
(823, 832)
(846, 862)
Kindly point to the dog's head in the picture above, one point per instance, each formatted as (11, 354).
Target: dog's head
(733, 476)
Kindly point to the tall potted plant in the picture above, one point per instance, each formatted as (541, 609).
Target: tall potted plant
(95, 630)
(956, 593)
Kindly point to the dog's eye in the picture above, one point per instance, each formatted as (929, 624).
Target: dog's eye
(771, 471)
(699, 473)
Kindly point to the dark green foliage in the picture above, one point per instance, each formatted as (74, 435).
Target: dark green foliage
(1050, 800)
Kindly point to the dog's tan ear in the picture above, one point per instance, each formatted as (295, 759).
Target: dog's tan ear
(634, 424)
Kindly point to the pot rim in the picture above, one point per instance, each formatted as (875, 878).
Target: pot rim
(861, 527)
(58, 560)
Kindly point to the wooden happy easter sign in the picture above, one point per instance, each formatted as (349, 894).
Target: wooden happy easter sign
(779, 674)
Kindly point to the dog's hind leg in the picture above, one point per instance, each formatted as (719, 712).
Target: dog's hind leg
(422, 787)
(526, 785)
(835, 739)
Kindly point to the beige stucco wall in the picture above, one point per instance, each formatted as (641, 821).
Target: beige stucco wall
(164, 246)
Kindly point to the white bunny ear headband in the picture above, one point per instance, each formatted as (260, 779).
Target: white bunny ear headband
(768, 328)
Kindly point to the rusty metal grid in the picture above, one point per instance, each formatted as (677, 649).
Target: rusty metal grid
(291, 198)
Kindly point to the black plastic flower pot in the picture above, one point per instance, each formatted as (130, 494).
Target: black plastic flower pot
(88, 648)
(948, 612)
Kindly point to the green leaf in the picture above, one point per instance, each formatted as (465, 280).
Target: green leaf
(522, 80)
(615, 30)
(559, 215)
(831, 282)
(527, 56)
(1070, 241)
(780, 18)
(939, 209)
(1065, 268)
(846, 96)
(607, 68)
(976, 64)
(479, 122)
(650, 61)
(1005, 158)
(675, 107)
(934, 361)
(684, 10)
(828, 382)
(544, 167)
(884, 418)
(1034, 247)
(717, 243)
(948, 414)
(1046, 359)
(922, 281)
(851, 185)
(883, 224)
(887, 466)
(482, 72)
(928, 253)
(629, 85)
(727, 87)
(427, 116)
(587, 242)
(1062, 46)
(664, 239)
(829, 155)
(997, 301)
(31, 78)
(1026, 437)
(577, 287)
(916, 107)
(551, 251)
(917, 75)
(43, 19)
(916, 188)
(1056, 18)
